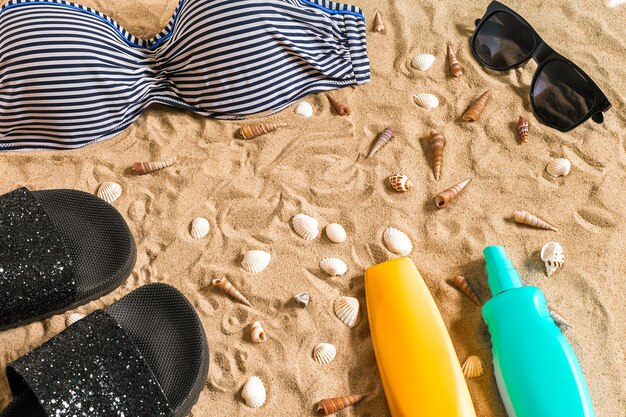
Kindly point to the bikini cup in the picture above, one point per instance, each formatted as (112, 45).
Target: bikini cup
(70, 76)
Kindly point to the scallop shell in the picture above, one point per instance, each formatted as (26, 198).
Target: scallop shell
(426, 100)
(336, 233)
(400, 182)
(333, 266)
(199, 227)
(332, 405)
(109, 191)
(324, 353)
(305, 226)
(143, 168)
(347, 310)
(397, 242)
(257, 333)
(73, 318)
(560, 167)
(472, 367)
(553, 256)
(256, 261)
(253, 392)
(302, 298)
(304, 109)
(423, 62)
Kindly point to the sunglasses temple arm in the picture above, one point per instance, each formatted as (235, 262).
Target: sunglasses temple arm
(476, 22)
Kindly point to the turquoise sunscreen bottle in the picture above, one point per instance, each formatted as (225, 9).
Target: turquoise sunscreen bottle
(536, 370)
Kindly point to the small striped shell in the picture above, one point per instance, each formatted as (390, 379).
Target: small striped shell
(255, 261)
(347, 310)
(304, 109)
(253, 392)
(109, 191)
(426, 100)
(73, 318)
(199, 227)
(143, 168)
(333, 266)
(305, 226)
(472, 367)
(397, 242)
(400, 182)
(423, 62)
(324, 353)
(553, 257)
(257, 333)
(559, 167)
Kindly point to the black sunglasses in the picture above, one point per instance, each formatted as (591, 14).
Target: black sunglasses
(562, 95)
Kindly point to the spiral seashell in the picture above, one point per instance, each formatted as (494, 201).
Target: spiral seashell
(73, 318)
(400, 182)
(437, 143)
(253, 131)
(255, 261)
(397, 242)
(324, 353)
(558, 319)
(553, 257)
(199, 227)
(525, 217)
(456, 70)
(228, 288)
(143, 168)
(426, 100)
(347, 310)
(336, 233)
(305, 226)
(257, 332)
(475, 110)
(304, 109)
(423, 62)
(253, 392)
(332, 405)
(383, 139)
(379, 25)
(560, 167)
(461, 283)
(109, 191)
(340, 108)
(442, 200)
(472, 367)
(333, 266)
(302, 298)
(522, 128)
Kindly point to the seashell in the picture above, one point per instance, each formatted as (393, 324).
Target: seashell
(109, 191)
(199, 227)
(383, 139)
(437, 143)
(229, 289)
(474, 111)
(426, 100)
(379, 25)
(256, 261)
(558, 319)
(614, 3)
(472, 367)
(553, 257)
(423, 62)
(443, 199)
(73, 318)
(559, 167)
(143, 168)
(522, 128)
(332, 405)
(257, 332)
(340, 108)
(253, 392)
(304, 109)
(525, 217)
(397, 242)
(336, 233)
(252, 131)
(324, 353)
(400, 182)
(456, 70)
(347, 310)
(302, 298)
(305, 226)
(461, 283)
(333, 266)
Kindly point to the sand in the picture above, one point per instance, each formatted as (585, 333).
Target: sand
(249, 190)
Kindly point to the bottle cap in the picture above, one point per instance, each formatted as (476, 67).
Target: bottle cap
(501, 274)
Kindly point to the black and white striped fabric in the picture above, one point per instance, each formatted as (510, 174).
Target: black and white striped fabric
(70, 76)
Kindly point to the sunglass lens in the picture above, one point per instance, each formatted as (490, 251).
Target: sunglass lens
(562, 95)
(503, 41)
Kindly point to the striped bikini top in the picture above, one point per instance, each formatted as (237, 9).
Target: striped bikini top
(70, 75)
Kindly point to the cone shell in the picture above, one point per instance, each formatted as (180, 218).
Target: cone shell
(525, 217)
(340, 108)
(255, 261)
(324, 353)
(522, 128)
(461, 283)
(437, 143)
(383, 139)
(426, 100)
(305, 226)
(397, 242)
(442, 200)
(143, 168)
(302, 298)
(475, 110)
(73, 318)
(553, 257)
(332, 405)
(304, 109)
(253, 392)
(379, 25)
(423, 62)
(456, 70)
(333, 266)
(229, 289)
(199, 227)
(252, 131)
(472, 367)
(109, 191)
(336, 233)
(558, 319)
(347, 310)
(257, 333)
(559, 167)
(400, 182)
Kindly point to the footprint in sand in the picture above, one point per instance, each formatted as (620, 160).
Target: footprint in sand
(234, 321)
(594, 219)
(226, 369)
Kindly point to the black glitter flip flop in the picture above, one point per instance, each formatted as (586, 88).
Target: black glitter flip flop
(144, 356)
(58, 249)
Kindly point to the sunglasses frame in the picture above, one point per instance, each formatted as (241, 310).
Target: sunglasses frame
(543, 54)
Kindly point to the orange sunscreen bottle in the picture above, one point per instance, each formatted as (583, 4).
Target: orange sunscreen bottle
(419, 368)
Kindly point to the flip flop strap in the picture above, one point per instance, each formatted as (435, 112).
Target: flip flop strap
(36, 271)
(92, 369)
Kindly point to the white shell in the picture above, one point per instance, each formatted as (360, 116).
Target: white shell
(423, 62)
(253, 392)
(257, 332)
(559, 167)
(347, 310)
(336, 233)
(256, 261)
(397, 242)
(304, 109)
(303, 298)
(73, 318)
(553, 256)
(324, 353)
(199, 227)
(614, 3)
(305, 226)
(333, 266)
(109, 191)
(426, 100)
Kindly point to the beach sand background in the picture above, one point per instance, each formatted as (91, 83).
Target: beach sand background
(249, 190)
